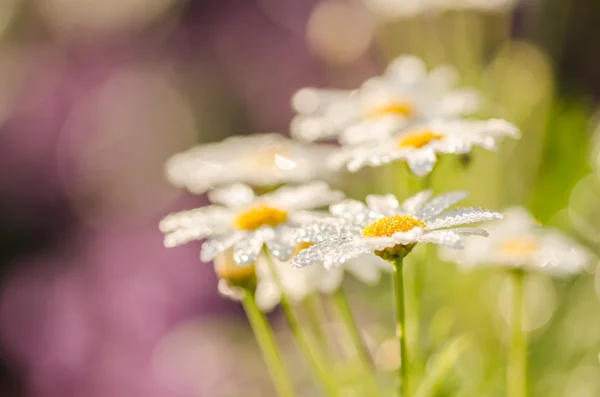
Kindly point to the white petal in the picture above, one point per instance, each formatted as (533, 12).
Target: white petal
(308, 196)
(344, 252)
(315, 254)
(368, 268)
(384, 204)
(208, 217)
(374, 156)
(355, 212)
(267, 295)
(421, 161)
(229, 291)
(442, 79)
(447, 238)
(459, 103)
(310, 100)
(461, 216)
(407, 237)
(372, 130)
(498, 128)
(281, 243)
(414, 203)
(406, 70)
(183, 236)
(246, 250)
(471, 230)
(219, 244)
(330, 280)
(232, 196)
(440, 203)
(327, 229)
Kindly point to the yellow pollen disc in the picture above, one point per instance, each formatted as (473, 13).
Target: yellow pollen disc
(258, 216)
(418, 139)
(520, 246)
(386, 227)
(398, 108)
(227, 269)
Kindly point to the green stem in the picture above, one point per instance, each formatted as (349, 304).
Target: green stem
(345, 312)
(517, 362)
(441, 366)
(315, 318)
(305, 343)
(403, 386)
(419, 279)
(268, 346)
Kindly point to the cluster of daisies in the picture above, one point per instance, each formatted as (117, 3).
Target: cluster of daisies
(278, 232)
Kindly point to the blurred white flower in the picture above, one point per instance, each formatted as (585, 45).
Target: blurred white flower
(406, 93)
(477, 5)
(295, 283)
(246, 222)
(386, 228)
(420, 144)
(518, 241)
(257, 160)
(389, 9)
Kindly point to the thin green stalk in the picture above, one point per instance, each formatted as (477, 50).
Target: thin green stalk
(305, 343)
(268, 346)
(316, 317)
(345, 312)
(403, 371)
(441, 366)
(516, 375)
(418, 285)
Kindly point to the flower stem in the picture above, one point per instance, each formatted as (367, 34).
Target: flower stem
(268, 346)
(345, 313)
(316, 318)
(309, 349)
(516, 375)
(403, 386)
(305, 343)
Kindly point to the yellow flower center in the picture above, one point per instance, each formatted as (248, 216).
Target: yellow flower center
(226, 269)
(403, 108)
(418, 138)
(523, 246)
(386, 227)
(261, 215)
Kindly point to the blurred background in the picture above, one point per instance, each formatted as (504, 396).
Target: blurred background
(95, 95)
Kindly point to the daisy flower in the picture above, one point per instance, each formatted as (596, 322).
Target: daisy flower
(261, 160)
(519, 242)
(247, 222)
(387, 229)
(406, 93)
(420, 144)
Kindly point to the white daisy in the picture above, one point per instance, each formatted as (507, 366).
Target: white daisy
(256, 160)
(388, 229)
(246, 222)
(519, 242)
(405, 93)
(419, 145)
